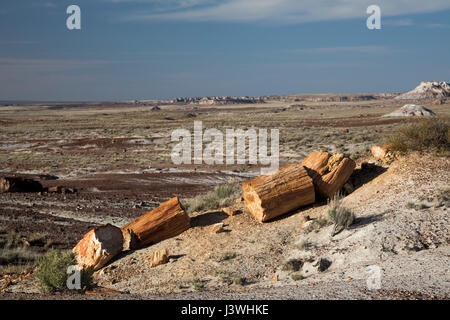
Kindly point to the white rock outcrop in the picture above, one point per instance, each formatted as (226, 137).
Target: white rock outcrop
(411, 110)
(428, 90)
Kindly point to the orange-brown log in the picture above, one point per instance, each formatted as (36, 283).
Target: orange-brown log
(166, 221)
(329, 172)
(382, 151)
(269, 196)
(98, 247)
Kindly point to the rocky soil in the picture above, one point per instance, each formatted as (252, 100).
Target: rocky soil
(401, 227)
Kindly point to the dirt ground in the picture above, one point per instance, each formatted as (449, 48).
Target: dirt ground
(118, 159)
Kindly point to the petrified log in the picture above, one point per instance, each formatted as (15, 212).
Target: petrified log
(98, 247)
(269, 196)
(329, 172)
(382, 152)
(166, 221)
(18, 184)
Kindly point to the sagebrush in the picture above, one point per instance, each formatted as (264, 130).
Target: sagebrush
(221, 196)
(426, 135)
(53, 275)
(341, 216)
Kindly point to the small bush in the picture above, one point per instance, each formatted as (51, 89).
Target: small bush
(53, 271)
(240, 281)
(221, 196)
(426, 135)
(305, 245)
(317, 224)
(228, 190)
(339, 215)
(197, 284)
(292, 265)
(297, 277)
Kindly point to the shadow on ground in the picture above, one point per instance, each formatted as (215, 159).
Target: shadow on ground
(208, 219)
(365, 174)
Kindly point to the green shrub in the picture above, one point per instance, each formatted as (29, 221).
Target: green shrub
(429, 134)
(197, 284)
(240, 281)
(339, 215)
(228, 190)
(297, 277)
(221, 196)
(53, 275)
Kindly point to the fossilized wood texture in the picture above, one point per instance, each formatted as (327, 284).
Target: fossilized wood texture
(382, 152)
(98, 247)
(269, 196)
(329, 172)
(166, 221)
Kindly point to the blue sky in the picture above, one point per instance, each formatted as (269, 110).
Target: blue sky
(145, 49)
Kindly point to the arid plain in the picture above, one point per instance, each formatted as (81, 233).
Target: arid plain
(114, 158)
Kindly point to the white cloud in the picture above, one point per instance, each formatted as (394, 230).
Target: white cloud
(286, 11)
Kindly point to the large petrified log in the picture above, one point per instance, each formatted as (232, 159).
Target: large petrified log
(18, 184)
(329, 172)
(166, 221)
(98, 247)
(269, 196)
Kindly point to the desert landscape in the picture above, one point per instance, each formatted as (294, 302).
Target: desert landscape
(69, 168)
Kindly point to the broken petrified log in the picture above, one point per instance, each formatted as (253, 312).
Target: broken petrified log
(166, 221)
(98, 247)
(269, 196)
(329, 172)
(382, 152)
(18, 184)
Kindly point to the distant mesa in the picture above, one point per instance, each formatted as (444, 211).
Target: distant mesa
(411, 110)
(210, 101)
(428, 90)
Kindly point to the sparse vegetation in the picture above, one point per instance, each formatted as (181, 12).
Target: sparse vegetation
(239, 281)
(341, 216)
(227, 256)
(305, 245)
(19, 252)
(221, 196)
(317, 224)
(197, 284)
(426, 135)
(297, 276)
(439, 198)
(23, 257)
(292, 265)
(53, 275)
(410, 205)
